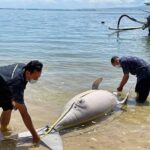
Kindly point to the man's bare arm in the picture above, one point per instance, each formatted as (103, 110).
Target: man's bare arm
(123, 82)
(27, 120)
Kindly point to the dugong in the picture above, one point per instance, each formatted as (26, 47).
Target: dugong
(87, 106)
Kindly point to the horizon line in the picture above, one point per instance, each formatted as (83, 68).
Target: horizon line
(21, 8)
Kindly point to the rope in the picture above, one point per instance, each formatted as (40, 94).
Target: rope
(59, 119)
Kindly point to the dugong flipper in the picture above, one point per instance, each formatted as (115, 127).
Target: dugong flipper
(96, 83)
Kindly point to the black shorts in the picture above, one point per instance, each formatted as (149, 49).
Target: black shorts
(6, 105)
(5, 95)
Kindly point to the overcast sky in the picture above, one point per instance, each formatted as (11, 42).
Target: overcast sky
(68, 3)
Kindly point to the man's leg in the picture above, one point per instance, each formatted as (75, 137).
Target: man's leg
(5, 103)
(5, 119)
(142, 90)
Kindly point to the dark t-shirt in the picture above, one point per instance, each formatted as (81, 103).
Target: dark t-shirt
(135, 66)
(14, 78)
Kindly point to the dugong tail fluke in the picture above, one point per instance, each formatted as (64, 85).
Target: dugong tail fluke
(126, 97)
(124, 100)
(96, 83)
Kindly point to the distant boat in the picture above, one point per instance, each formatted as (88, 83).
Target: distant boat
(147, 3)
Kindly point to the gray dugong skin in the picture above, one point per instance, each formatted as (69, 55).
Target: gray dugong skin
(85, 107)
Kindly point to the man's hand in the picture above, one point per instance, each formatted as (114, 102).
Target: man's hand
(119, 89)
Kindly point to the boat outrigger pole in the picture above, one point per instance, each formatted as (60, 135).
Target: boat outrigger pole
(144, 24)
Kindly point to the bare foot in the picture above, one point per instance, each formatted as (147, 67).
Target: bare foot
(6, 130)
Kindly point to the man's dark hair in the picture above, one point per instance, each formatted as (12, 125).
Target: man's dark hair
(34, 65)
(113, 59)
